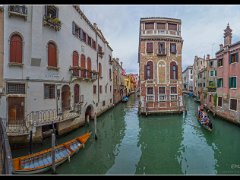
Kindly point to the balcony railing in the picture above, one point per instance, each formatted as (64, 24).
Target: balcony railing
(46, 117)
(211, 88)
(160, 32)
(150, 98)
(83, 74)
(53, 23)
(17, 10)
(162, 98)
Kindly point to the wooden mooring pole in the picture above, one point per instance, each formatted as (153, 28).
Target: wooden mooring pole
(53, 153)
(95, 126)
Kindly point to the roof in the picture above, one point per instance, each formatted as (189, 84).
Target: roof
(160, 18)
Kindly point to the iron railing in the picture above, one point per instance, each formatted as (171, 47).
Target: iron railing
(6, 165)
(18, 9)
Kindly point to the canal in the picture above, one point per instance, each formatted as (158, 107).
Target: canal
(169, 144)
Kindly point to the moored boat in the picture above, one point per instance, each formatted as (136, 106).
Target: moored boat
(207, 126)
(42, 161)
(125, 99)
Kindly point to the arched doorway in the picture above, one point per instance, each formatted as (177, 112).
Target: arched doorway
(65, 97)
(89, 112)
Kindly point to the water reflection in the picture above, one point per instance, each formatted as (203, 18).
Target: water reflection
(129, 151)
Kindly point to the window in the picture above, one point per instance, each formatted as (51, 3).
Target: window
(110, 100)
(89, 41)
(150, 90)
(173, 48)
(191, 77)
(210, 98)
(100, 89)
(16, 49)
(83, 66)
(52, 55)
(161, 26)
(233, 104)
(220, 101)
(173, 90)
(210, 63)
(94, 89)
(110, 88)
(76, 30)
(89, 67)
(161, 48)
(172, 26)
(162, 90)
(149, 25)
(173, 70)
(93, 44)
(149, 47)
(110, 74)
(49, 91)
(233, 58)
(84, 36)
(51, 11)
(232, 82)
(220, 62)
(103, 103)
(14, 88)
(149, 70)
(211, 73)
(191, 72)
(106, 89)
(99, 48)
(100, 70)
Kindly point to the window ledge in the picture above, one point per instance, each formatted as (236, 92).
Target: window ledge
(233, 110)
(233, 88)
(15, 64)
(234, 63)
(52, 68)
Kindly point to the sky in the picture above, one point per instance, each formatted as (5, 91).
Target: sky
(202, 28)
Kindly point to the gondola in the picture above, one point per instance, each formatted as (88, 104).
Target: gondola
(42, 161)
(205, 126)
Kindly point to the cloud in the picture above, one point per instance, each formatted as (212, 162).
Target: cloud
(202, 27)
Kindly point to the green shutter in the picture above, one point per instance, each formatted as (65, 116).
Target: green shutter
(215, 72)
(237, 57)
(218, 83)
(234, 82)
(229, 82)
(230, 59)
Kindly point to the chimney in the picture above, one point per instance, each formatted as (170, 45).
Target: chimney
(121, 63)
(221, 46)
(208, 56)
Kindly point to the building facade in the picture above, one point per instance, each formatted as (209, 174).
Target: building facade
(56, 70)
(187, 76)
(160, 65)
(228, 81)
(210, 99)
(199, 76)
(118, 81)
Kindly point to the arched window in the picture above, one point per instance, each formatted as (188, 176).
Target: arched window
(173, 70)
(100, 69)
(89, 67)
(75, 62)
(52, 55)
(149, 70)
(83, 65)
(16, 45)
(76, 93)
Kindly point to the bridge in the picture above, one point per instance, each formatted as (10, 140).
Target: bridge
(6, 166)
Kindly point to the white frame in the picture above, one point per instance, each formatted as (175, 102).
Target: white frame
(173, 94)
(222, 102)
(230, 105)
(236, 82)
(149, 95)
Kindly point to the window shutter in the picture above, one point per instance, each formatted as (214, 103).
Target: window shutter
(151, 70)
(218, 83)
(171, 70)
(164, 48)
(234, 82)
(145, 72)
(230, 59)
(230, 82)
(237, 57)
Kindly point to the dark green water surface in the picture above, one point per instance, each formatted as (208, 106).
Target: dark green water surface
(169, 144)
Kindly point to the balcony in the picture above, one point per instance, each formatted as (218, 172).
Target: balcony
(18, 10)
(53, 23)
(100, 53)
(83, 74)
(159, 32)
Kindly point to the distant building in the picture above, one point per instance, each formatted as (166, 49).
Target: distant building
(211, 82)
(160, 65)
(199, 77)
(187, 76)
(228, 78)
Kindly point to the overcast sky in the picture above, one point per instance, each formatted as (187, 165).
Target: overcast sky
(202, 28)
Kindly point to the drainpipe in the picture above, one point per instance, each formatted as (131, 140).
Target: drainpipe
(97, 62)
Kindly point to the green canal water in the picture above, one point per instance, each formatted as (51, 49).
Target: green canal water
(169, 144)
